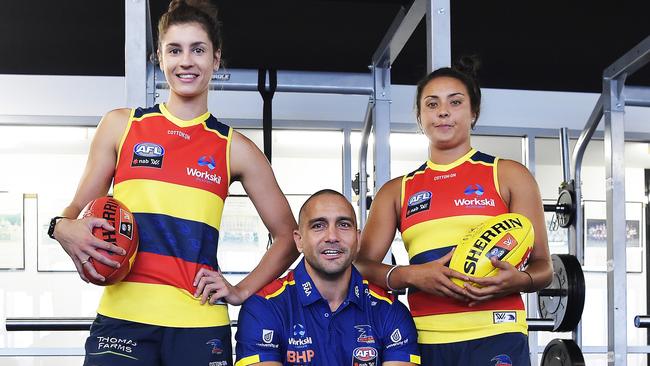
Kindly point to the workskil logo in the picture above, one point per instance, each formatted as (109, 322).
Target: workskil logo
(203, 175)
(300, 340)
(471, 200)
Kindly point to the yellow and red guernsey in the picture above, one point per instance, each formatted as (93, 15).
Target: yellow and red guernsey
(439, 204)
(174, 176)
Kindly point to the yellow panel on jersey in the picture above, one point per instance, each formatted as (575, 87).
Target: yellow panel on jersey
(437, 234)
(248, 360)
(439, 204)
(153, 196)
(183, 311)
(447, 328)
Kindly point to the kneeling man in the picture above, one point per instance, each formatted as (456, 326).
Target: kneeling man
(324, 313)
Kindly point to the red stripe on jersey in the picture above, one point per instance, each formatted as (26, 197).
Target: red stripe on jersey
(196, 160)
(380, 291)
(423, 304)
(467, 189)
(275, 285)
(164, 270)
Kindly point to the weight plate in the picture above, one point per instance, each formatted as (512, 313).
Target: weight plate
(562, 352)
(565, 200)
(564, 299)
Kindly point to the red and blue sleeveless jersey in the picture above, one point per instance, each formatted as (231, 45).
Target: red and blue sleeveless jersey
(174, 176)
(288, 321)
(439, 204)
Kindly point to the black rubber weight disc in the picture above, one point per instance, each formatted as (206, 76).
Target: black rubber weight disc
(562, 352)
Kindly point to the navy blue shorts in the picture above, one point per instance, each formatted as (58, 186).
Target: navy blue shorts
(118, 342)
(500, 350)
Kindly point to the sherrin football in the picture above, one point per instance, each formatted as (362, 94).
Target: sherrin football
(508, 237)
(125, 235)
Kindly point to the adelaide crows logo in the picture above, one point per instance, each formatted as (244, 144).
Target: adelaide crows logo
(365, 334)
(501, 360)
(217, 347)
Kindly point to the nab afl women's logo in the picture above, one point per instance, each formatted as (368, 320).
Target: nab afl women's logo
(419, 201)
(148, 154)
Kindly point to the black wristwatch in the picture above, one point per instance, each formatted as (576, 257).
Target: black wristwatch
(53, 222)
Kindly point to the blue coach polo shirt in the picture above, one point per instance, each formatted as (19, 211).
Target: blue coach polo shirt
(289, 322)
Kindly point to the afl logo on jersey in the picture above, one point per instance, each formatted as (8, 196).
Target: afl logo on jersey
(364, 354)
(148, 149)
(147, 154)
(419, 201)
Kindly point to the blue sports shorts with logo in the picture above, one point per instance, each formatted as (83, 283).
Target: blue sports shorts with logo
(118, 342)
(499, 350)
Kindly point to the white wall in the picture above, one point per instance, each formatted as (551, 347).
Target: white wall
(45, 95)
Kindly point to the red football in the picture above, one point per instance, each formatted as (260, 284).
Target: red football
(125, 235)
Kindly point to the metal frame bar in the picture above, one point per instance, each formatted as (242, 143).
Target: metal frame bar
(346, 165)
(613, 106)
(398, 34)
(637, 96)
(630, 62)
(438, 34)
(378, 110)
(138, 68)
(614, 113)
(528, 154)
(70, 352)
(84, 323)
(576, 232)
(288, 81)
(354, 126)
(381, 126)
(566, 176)
(363, 161)
(564, 154)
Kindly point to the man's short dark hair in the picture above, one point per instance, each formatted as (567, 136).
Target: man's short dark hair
(320, 193)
